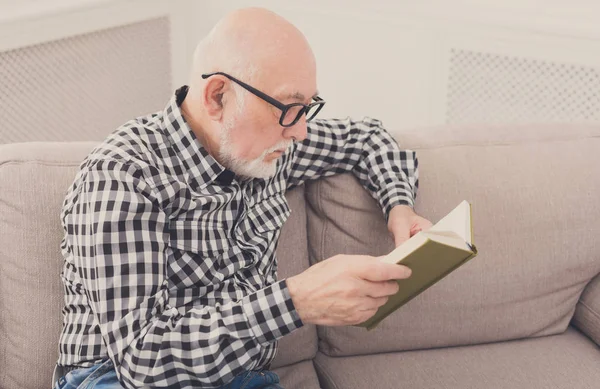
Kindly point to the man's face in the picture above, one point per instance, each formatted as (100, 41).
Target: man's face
(252, 140)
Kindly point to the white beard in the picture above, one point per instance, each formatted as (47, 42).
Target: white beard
(256, 168)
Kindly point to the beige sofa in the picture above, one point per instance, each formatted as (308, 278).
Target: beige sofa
(524, 314)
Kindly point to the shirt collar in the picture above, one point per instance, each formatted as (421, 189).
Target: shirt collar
(195, 159)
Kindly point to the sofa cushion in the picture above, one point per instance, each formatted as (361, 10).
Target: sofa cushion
(536, 217)
(565, 361)
(587, 314)
(292, 258)
(301, 375)
(34, 178)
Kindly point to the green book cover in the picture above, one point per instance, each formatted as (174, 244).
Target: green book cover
(431, 255)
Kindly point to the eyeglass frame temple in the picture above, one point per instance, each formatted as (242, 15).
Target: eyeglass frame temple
(250, 88)
(283, 107)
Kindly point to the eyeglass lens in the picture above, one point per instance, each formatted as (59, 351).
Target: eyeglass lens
(295, 111)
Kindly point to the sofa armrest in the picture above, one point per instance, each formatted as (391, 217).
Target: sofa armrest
(587, 312)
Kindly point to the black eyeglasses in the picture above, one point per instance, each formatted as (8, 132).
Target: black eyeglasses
(290, 113)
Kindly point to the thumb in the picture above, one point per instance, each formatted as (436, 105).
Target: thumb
(415, 229)
(379, 271)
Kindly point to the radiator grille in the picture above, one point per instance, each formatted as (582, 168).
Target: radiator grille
(490, 88)
(83, 87)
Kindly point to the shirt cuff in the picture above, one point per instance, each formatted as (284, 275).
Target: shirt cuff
(395, 196)
(271, 313)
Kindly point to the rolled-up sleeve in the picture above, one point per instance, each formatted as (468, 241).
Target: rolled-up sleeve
(362, 147)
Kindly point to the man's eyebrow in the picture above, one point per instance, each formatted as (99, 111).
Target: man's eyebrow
(299, 96)
(296, 96)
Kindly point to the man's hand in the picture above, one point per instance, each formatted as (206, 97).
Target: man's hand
(404, 223)
(344, 289)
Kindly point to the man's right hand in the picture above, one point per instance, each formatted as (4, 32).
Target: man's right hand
(344, 289)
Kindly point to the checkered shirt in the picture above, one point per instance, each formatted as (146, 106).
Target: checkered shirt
(170, 266)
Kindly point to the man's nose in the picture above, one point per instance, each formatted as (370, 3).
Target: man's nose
(297, 131)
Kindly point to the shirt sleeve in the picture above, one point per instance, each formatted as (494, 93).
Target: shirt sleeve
(121, 240)
(364, 148)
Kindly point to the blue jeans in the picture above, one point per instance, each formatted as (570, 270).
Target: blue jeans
(104, 376)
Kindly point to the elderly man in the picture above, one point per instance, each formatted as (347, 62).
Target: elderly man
(171, 225)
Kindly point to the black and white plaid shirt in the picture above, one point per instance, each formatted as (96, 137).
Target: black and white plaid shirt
(170, 266)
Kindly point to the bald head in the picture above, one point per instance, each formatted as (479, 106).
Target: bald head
(251, 43)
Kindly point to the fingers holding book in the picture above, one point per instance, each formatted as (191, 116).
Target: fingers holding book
(344, 289)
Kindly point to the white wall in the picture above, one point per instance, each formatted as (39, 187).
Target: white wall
(387, 59)
(391, 59)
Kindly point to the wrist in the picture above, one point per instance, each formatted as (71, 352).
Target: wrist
(400, 211)
(295, 292)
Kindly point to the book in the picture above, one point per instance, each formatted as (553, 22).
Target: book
(431, 255)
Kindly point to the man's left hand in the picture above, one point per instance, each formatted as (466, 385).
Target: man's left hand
(404, 223)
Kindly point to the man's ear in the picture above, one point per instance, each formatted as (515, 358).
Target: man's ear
(212, 98)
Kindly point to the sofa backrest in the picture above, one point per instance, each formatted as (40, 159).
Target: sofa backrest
(34, 178)
(534, 192)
